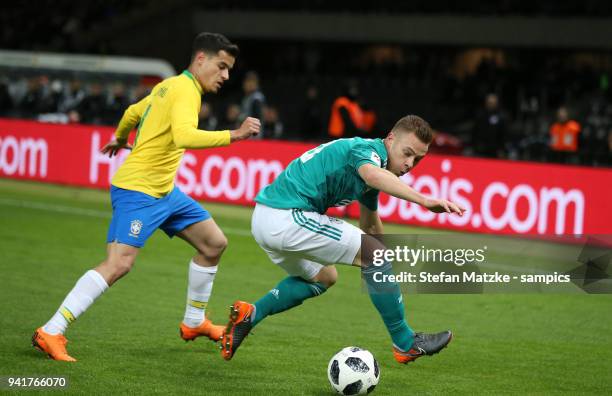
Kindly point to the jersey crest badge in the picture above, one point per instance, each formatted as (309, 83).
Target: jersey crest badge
(135, 228)
(375, 158)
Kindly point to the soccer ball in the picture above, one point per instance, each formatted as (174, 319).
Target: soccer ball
(353, 371)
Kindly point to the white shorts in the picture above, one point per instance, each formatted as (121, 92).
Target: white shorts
(303, 242)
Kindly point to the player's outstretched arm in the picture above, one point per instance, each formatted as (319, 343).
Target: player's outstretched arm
(383, 180)
(250, 127)
(186, 134)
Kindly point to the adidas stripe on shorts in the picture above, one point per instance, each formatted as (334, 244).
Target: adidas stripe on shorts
(303, 242)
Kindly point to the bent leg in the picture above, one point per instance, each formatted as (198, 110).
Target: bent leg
(307, 279)
(210, 242)
(119, 261)
(91, 286)
(386, 297)
(301, 243)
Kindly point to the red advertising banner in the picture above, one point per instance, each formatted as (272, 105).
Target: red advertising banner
(500, 196)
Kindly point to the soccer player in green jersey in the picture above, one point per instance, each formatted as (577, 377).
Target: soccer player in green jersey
(290, 225)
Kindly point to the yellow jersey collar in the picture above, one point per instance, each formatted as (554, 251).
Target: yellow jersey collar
(195, 82)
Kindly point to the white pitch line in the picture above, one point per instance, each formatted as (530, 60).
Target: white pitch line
(101, 214)
(55, 208)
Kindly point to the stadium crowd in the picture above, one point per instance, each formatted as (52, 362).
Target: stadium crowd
(544, 112)
(514, 103)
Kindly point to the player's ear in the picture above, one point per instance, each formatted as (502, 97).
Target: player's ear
(200, 57)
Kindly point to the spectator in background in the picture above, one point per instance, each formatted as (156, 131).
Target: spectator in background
(32, 103)
(490, 129)
(311, 118)
(54, 96)
(232, 117)
(272, 126)
(253, 100)
(6, 102)
(564, 137)
(52, 100)
(51, 92)
(93, 107)
(347, 117)
(531, 131)
(369, 118)
(593, 141)
(116, 104)
(206, 119)
(72, 97)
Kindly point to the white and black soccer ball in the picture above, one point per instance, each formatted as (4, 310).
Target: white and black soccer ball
(353, 371)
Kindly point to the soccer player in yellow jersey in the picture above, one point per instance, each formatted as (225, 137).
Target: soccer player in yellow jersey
(145, 198)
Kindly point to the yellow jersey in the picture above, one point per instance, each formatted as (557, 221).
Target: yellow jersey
(168, 125)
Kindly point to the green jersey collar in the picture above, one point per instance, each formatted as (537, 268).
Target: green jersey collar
(195, 82)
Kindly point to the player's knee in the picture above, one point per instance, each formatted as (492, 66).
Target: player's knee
(329, 282)
(214, 247)
(327, 276)
(121, 264)
(368, 247)
(221, 243)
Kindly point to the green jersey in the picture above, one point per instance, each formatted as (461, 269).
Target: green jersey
(327, 176)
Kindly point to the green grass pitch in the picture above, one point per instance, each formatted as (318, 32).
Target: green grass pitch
(128, 342)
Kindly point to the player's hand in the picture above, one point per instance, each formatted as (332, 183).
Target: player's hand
(112, 148)
(250, 127)
(443, 206)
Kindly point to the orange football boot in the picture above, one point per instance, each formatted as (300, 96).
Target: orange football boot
(206, 329)
(52, 345)
(239, 326)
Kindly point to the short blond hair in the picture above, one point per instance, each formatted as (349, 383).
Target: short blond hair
(416, 125)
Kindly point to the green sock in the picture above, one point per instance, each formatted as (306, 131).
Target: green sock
(387, 299)
(289, 293)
